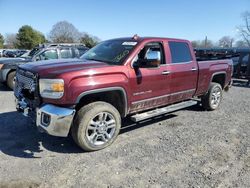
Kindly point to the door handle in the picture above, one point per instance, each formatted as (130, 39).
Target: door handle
(194, 69)
(165, 72)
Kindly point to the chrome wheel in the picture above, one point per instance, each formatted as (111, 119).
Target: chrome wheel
(216, 97)
(101, 129)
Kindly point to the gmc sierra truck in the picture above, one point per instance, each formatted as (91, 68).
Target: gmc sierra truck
(136, 77)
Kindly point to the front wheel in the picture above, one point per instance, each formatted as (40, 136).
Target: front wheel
(96, 126)
(212, 99)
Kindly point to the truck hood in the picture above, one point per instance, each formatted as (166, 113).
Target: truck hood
(59, 66)
(10, 61)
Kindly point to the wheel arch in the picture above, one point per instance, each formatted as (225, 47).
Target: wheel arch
(114, 95)
(220, 78)
(6, 73)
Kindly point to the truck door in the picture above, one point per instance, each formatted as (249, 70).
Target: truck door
(183, 71)
(149, 84)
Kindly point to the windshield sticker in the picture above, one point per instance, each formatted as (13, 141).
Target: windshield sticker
(129, 43)
(120, 56)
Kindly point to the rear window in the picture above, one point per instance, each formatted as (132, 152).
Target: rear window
(180, 52)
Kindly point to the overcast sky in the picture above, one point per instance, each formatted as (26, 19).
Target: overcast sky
(189, 19)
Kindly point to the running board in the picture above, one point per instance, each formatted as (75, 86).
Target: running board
(164, 110)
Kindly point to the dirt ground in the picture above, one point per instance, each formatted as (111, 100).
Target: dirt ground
(188, 148)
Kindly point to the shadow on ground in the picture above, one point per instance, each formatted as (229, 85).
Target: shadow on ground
(20, 138)
(3, 87)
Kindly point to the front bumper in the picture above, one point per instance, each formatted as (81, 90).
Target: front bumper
(55, 120)
(51, 119)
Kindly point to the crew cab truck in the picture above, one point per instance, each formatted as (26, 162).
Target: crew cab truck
(137, 77)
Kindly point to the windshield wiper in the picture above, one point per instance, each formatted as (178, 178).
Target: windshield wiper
(104, 61)
(92, 59)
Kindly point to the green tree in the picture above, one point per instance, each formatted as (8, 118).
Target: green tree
(1, 41)
(28, 38)
(89, 41)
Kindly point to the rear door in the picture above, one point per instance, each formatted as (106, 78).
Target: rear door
(183, 71)
(66, 53)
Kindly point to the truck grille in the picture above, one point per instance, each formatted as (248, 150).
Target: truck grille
(25, 81)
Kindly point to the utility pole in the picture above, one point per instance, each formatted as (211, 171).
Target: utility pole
(205, 41)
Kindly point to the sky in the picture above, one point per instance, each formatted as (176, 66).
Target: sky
(106, 19)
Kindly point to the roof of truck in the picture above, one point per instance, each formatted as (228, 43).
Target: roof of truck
(139, 39)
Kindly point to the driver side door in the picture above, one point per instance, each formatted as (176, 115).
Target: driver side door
(149, 85)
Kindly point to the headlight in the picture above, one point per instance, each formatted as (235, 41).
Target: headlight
(51, 88)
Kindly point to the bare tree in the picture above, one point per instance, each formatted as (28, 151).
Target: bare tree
(226, 42)
(10, 40)
(206, 43)
(240, 44)
(64, 32)
(244, 30)
(195, 43)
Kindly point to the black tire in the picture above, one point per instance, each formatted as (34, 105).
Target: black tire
(209, 101)
(91, 113)
(10, 80)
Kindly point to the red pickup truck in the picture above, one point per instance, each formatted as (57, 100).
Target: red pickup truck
(136, 77)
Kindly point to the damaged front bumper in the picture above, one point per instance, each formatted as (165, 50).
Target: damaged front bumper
(51, 119)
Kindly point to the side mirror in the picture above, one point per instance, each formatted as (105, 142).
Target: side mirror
(37, 58)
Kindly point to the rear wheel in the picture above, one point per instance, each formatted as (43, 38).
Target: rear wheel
(11, 80)
(96, 126)
(212, 99)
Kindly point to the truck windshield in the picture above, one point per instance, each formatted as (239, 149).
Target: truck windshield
(112, 52)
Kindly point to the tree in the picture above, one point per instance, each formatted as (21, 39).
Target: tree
(195, 43)
(240, 44)
(28, 38)
(206, 43)
(202, 44)
(89, 41)
(1, 40)
(10, 40)
(64, 32)
(244, 30)
(226, 42)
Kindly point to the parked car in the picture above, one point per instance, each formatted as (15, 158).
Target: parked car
(15, 53)
(43, 52)
(128, 77)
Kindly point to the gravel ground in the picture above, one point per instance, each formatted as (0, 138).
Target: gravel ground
(188, 148)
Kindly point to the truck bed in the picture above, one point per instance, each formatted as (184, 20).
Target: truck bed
(209, 68)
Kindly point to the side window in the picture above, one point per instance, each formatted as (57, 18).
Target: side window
(66, 53)
(152, 51)
(49, 54)
(180, 52)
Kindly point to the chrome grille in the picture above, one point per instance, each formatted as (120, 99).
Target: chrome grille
(24, 80)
